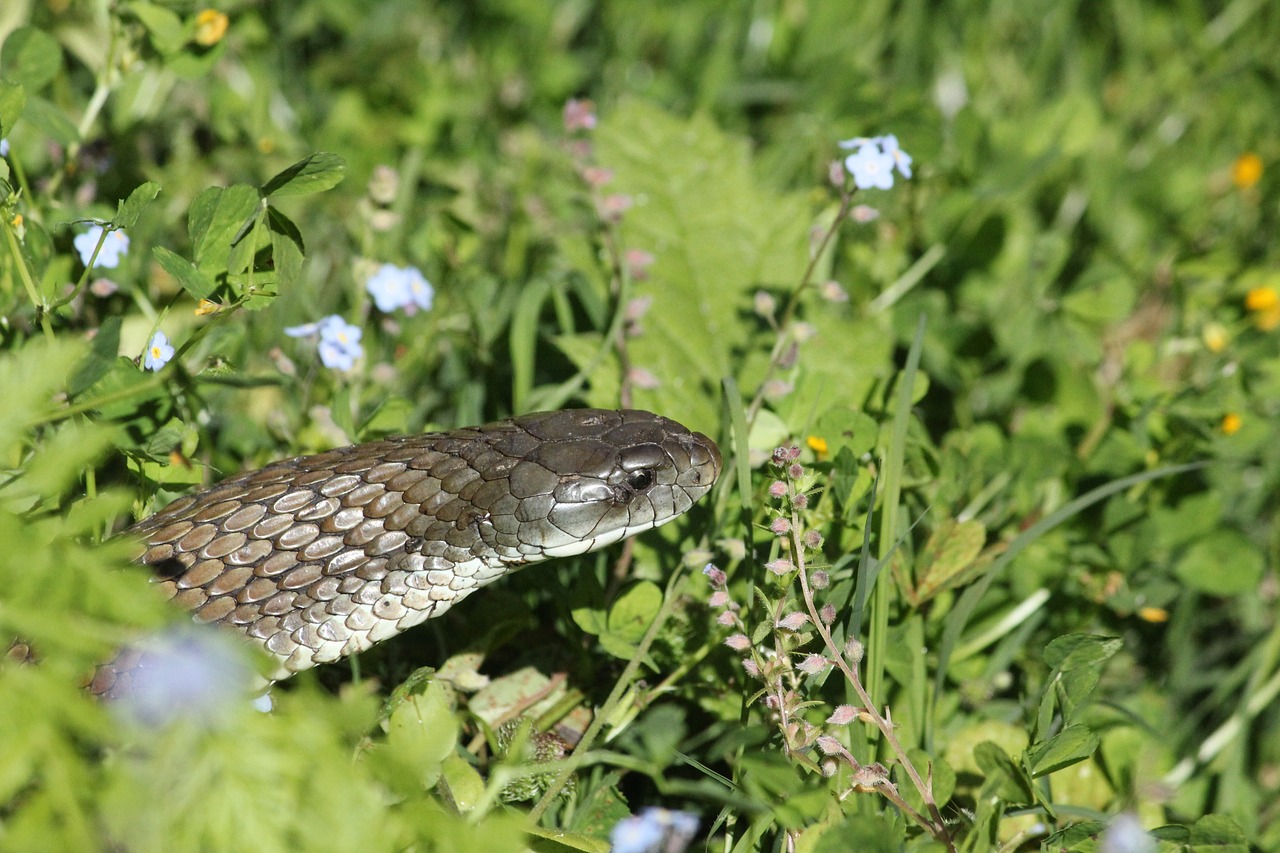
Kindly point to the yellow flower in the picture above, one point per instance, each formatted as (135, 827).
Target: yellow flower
(211, 26)
(1215, 337)
(1153, 614)
(207, 306)
(1231, 423)
(1262, 299)
(1264, 302)
(817, 445)
(1246, 171)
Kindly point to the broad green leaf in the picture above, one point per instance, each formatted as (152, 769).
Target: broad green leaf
(218, 219)
(717, 235)
(168, 33)
(131, 208)
(51, 120)
(287, 248)
(13, 97)
(460, 783)
(312, 174)
(1078, 650)
(1218, 833)
(422, 731)
(872, 833)
(1003, 776)
(633, 611)
(192, 280)
(951, 550)
(1067, 747)
(102, 354)
(30, 56)
(1224, 563)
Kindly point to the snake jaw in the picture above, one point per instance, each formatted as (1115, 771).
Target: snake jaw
(317, 557)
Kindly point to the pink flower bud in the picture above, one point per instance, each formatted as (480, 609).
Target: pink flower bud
(843, 715)
(738, 642)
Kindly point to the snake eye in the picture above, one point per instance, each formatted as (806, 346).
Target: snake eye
(640, 480)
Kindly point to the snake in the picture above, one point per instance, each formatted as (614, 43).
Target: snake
(318, 557)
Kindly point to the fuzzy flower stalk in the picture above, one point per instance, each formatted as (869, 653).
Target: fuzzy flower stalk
(786, 661)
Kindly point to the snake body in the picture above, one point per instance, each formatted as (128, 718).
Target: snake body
(317, 557)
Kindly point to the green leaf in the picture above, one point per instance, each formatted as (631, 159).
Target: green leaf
(191, 279)
(287, 249)
(30, 56)
(51, 121)
(315, 173)
(102, 354)
(866, 833)
(634, 610)
(13, 97)
(718, 234)
(951, 550)
(629, 617)
(218, 219)
(1069, 746)
(131, 208)
(1218, 833)
(1224, 563)
(168, 33)
(1073, 651)
(1003, 775)
(422, 731)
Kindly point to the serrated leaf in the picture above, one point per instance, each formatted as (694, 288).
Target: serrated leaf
(717, 234)
(1069, 746)
(102, 354)
(131, 208)
(13, 97)
(30, 56)
(312, 174)
(191, 279)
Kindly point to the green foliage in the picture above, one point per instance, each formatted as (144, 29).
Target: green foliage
(1047, 515)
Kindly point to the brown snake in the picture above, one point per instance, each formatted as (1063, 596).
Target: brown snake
(317, 557)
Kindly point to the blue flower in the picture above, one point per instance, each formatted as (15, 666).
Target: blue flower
(190, 672)
(113, 248)
(395, 287)
(871, 168)
(421, 293)
(901, 159)
(1126, 835)
(654, 830)
(339, 344)
(873, 160)
(158, 352)
(388, 288)
(4, 148)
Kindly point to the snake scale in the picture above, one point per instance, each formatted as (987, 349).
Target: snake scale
(318, 557)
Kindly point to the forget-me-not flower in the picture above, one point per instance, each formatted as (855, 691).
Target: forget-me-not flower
(395, 287)
(192, 672)
(654, 830)
(159, 351)
(873, 160)
(113, 248)
(339, 344)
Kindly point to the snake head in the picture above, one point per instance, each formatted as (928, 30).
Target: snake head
(597, 476)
